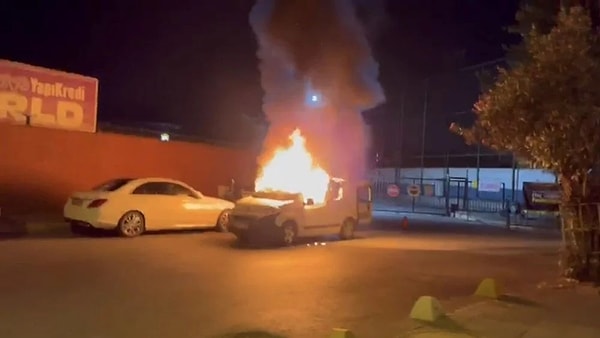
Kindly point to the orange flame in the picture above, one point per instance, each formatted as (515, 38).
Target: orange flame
(293, 170)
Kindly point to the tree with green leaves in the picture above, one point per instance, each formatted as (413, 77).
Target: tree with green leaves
(547, 109)
(539, 16)
(533, 15)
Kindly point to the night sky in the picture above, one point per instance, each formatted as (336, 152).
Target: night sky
(194, 62)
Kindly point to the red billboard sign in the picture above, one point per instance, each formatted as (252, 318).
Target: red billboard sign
(48, 98)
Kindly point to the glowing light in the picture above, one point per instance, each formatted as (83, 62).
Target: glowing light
(293, 170)
(314, 98)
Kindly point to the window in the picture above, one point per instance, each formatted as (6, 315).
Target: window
(179, 190)
(112, 185)
(365, 194)
(163, 188)
(336, 191)
(153, 188)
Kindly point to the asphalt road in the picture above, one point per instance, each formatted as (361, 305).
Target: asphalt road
(201, 285)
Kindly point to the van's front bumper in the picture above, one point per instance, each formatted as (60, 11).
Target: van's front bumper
(256, 229)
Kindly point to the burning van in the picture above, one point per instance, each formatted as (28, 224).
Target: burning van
(320, 83)
(294, 197)
(284, 217)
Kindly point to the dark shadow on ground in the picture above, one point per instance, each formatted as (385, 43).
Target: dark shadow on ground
(176, 232)
(10, 228)
(100, 233)
(447, 324)
(19, 231)
(300, 242)
(512, 299)
(264, 245)
(549, 249)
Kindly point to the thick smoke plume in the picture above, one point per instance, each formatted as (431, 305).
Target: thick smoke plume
(318, 74)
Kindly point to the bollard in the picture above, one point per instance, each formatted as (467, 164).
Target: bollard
(342, 333)
(489, 288)
(427, 309)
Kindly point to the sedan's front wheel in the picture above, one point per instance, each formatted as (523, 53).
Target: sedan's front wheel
(131, 224)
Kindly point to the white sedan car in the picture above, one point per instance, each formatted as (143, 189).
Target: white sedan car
(132, 206)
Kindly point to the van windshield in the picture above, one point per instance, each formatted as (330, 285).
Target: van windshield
(112, 185)
(276, 195)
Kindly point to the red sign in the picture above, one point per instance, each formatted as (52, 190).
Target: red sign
(393, 190)
(413, 190)
(47, 98)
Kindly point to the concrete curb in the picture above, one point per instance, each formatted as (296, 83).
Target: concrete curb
(47, 228)
(443, 326)
(473, 219)
(399, 211)
(490, 311)
(10, 228)
(16, 227)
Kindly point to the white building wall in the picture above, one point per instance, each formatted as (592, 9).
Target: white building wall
(496, 175)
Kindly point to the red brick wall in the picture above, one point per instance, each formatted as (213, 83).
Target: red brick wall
(39, 168)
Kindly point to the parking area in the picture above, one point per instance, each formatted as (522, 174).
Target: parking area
(200, 284)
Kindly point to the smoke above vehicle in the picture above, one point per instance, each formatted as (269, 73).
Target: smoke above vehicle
(318, 74)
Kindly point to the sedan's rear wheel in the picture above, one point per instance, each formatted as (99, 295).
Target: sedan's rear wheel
(132, 224)
(223, 221)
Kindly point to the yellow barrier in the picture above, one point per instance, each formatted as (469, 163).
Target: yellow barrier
(489, 288)
(427, 309)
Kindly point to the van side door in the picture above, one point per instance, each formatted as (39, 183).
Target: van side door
(364, 204)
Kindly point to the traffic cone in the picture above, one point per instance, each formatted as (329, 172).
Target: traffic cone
(405, 223)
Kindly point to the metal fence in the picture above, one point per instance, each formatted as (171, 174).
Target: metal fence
(437, 196)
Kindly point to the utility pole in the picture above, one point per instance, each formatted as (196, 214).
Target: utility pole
(424, 129)
(514, 177)
(478, 168)
(401, 135)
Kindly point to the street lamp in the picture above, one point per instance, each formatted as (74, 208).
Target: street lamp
(314, 99)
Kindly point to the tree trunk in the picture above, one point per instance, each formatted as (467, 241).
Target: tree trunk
(580, 225)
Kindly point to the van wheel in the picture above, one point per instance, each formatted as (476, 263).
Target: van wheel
(289, 233)
(223, 221)
(347, 230)
(131, 224)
